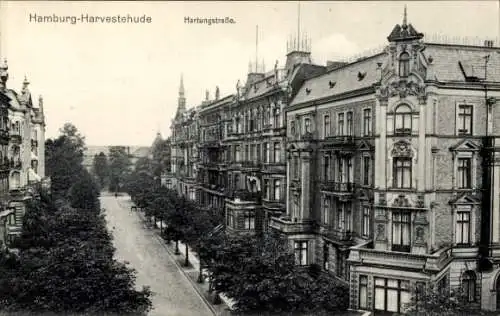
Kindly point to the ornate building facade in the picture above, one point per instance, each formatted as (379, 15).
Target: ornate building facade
(22, 153)
(184, 148)
(393, 175)
(384, 171)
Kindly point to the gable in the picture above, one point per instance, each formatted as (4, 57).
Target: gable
(465, 198)
(465, 145)
(365, 146)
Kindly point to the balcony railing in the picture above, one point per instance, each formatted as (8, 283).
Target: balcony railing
(289, 225)
(422, 262)
(244, 195)
(333, 232)
(334, 186)
(16, 163)
(340, 140)
(274, 204)
(15, 136)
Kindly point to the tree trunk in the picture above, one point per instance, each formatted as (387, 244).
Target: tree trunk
(186, 261)
(177, 252)
(200, 275)
(161, 226)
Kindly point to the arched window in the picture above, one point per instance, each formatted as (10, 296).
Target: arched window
(402, 120)
(326, 126)
(469, 285)
(404, 64)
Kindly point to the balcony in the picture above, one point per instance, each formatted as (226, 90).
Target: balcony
(337, 187)
(339, 141)
(16, 137)
(16, 163)
(421, 262)
(295, 226)
(276, 205)
(4, 136)
(334, 233)
(274, 167)
(251, 164)
(244, 195)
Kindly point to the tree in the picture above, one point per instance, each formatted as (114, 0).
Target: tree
(61, 244)
(84, 193)
(119, 163)
(261, 278)
(64, 158)
(101, 168)
(429, 300)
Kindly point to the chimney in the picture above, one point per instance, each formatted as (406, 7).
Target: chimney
(217, 93)
(488, 43)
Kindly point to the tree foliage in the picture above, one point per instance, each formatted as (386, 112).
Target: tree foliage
(262, 277)
(61, 244)
(84, 193)
(101, 168)
(119, 163)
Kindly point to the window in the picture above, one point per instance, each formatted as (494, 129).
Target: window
(402, 172)
(340, 124)
(464, 119)
(277, 117)
(266, 188)
(265, 152)
(401, 231)
(326, 126)
(326, 167)
(349, 124)
(366, 221)
(277, 195)
(402, 121)
(366, 170)
(247, 152)
(277, 152)
(230, 219)
(464, 173)
(249, 220)
(326, 255)
(344, 216)
(236, 181)
(391, 295)
(469, 285)
(296, 167)
(462, 234)
(363, 292)
(404, 64)
(367, 122)
(326, 211)
(292, 128)
(307, 125)
(238, 153)
(300, 251)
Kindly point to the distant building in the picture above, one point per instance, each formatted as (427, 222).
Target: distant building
(134, 152)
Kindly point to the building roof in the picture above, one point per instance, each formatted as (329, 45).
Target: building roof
(445, 60)
(354, 76)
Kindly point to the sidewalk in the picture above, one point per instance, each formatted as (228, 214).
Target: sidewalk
(192, 271)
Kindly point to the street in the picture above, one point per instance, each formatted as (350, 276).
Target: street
(173, 293)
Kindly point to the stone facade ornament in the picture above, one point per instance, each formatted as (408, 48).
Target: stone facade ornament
(402, 149)
(382, 199)
(419, 234)
(401, 201)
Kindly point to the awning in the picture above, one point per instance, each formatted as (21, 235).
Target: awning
(32, 176)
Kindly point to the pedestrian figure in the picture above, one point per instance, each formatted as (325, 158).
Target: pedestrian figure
(116, 195)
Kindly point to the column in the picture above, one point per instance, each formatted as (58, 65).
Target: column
(288, 180)
(495, 196)
(305, 185)
(380, 144)
(421, 150)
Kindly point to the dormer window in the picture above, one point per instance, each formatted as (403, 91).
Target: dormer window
(402, 121)
(404, 65)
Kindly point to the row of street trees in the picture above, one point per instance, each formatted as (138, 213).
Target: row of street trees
(259, 273)
(64, 262)
(112, 171)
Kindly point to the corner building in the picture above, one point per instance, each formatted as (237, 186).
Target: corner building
(393, 172)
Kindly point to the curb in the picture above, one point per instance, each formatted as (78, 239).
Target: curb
(172, 256)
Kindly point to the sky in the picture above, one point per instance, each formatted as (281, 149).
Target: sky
(118, 83)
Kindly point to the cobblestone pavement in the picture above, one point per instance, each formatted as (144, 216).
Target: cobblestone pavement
(173, 293)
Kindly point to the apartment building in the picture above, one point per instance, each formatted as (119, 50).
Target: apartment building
(184, 148)
(22, 153)
(393, 172)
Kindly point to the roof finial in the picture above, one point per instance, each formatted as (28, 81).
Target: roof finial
(404, 18)
(181, 87)
(26, 82)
